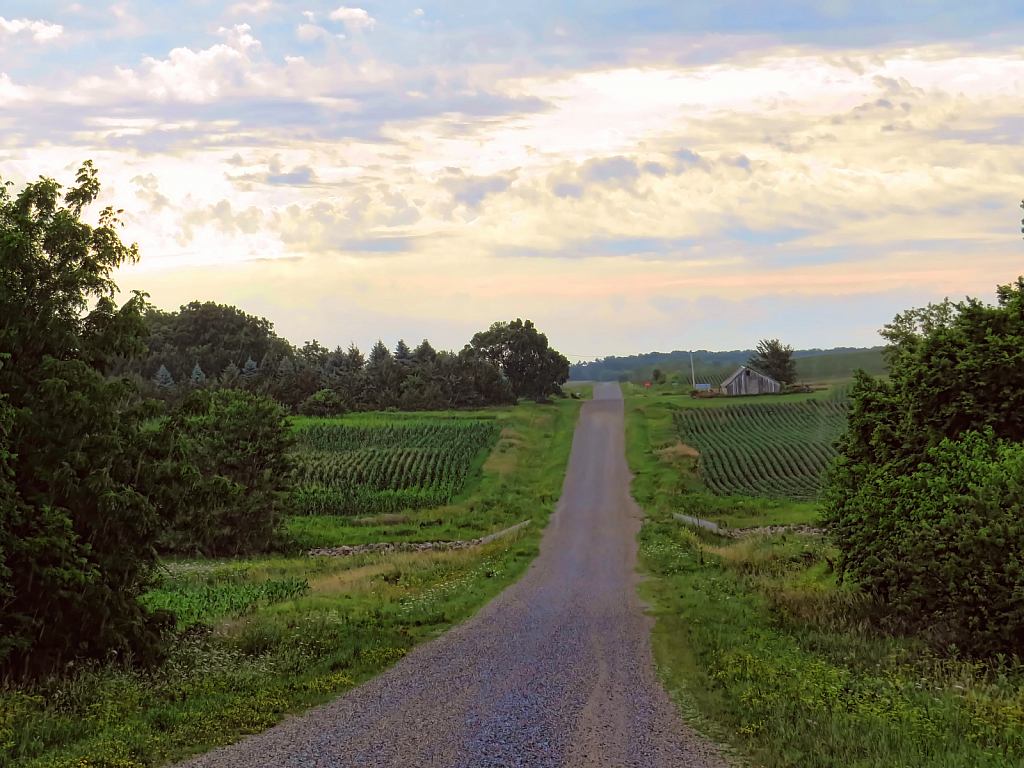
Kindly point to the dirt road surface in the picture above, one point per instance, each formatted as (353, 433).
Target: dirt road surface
(556, 671)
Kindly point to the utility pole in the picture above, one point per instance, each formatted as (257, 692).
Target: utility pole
(693, 378)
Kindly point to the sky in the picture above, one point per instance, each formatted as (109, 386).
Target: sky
(631, 176)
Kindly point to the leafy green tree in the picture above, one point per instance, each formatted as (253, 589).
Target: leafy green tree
(522, 353)
(937, 443)
(223, 472)
(163, 378)
(314, 354)
(774, 359)
(78, 534)
(211, 334)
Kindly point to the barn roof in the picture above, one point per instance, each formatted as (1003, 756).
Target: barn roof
(740, 370)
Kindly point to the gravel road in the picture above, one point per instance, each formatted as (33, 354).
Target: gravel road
(556, 671)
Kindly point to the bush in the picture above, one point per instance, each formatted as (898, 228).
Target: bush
(324, 403)
(944, 544)
(224, 473)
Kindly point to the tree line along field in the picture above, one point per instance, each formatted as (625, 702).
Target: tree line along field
(764, 448)
(374, 468)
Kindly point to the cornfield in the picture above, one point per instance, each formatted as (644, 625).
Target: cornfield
(346, 469)
(764, 449)
(194, 603)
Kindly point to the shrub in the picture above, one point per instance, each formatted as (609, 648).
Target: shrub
(326, 402)
(944, 545)
(224, 473)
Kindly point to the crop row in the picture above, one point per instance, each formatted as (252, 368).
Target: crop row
(194, 603)
(379, 469)
(764, 449)
(341, 437)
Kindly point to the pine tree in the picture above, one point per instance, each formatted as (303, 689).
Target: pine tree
(229, 378)
(250, 368)
(379, 353)
(163, 378)
(356, 361)
(285, 368)
(424, 353)
(402, 353)
(198, 377)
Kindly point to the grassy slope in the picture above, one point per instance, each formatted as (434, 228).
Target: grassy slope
(763, 649)
(839, 367)
(360, 615)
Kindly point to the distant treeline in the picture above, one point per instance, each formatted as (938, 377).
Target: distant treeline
(209, 345)
(713, 365)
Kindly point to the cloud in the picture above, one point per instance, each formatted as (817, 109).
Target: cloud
(41, 31)
(354, 19)
(309, 32)
(472, 190)
(257, 8)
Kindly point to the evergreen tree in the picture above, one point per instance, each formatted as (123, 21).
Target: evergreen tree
(424, 353)
(356, 361)
(774, 359)
(285, 368)
(163, 378)
(230, 376)
(402, 353)
(250, 369)
(198, 377)
(379, 353)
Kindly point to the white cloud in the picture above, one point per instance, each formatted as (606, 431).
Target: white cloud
(255, 8)
(41, 31)
(354, 19)
(309, 32)
(310, 16)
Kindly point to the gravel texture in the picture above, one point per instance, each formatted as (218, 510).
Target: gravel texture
(555, 671)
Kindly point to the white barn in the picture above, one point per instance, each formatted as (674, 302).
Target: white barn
(747, 381)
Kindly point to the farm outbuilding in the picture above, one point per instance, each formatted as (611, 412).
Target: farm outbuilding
(747, 381)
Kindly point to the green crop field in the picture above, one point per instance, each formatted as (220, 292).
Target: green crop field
(348, 467)
(203, 602)
(839, 367)
(764, 449)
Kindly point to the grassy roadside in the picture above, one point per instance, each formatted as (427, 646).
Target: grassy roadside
(282, 634)
(765, 650)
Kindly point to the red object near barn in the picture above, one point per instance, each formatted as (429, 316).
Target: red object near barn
(648, 384)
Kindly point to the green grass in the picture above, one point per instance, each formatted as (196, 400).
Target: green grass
(258, 660)
(839, 367)
(778, 450)
(765, 651)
